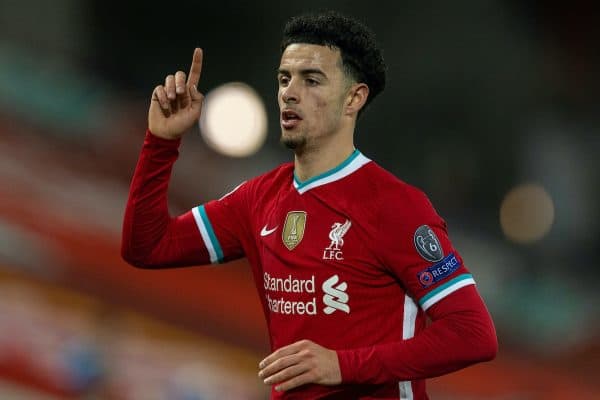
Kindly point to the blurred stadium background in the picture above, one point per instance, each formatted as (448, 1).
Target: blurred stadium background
(492, 108)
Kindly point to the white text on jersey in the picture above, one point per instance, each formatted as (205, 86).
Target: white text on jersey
(281, 295)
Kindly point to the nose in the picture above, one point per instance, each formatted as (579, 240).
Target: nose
(289, 94)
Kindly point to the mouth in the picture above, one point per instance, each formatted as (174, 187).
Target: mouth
(290, 119)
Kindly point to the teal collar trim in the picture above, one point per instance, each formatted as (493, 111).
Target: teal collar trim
(348, 166)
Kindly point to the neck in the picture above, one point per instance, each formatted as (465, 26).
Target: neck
(319, 159)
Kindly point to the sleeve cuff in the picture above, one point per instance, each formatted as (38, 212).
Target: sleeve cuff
(361, 366)
(152, 139)
(346, 361)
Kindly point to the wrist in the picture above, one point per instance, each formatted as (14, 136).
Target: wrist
(164, 136)
(152, 137)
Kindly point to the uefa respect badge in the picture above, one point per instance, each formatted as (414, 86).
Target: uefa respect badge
(439, 271)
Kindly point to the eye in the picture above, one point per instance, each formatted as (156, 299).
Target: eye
(312, 82)
(283, 80)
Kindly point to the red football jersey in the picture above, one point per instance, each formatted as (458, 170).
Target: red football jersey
(348, 259)
(351, 259)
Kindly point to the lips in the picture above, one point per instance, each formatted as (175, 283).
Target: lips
(290, 119)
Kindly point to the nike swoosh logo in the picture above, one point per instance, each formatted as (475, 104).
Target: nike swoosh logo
(265, 232)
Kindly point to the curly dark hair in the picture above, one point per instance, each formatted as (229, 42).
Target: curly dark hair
(362, 59)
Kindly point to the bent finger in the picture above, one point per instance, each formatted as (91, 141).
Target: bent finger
(278, 365)
(286, 374)
(294, 382)
(180, 82)
(281, 352)
(170, 87)
(160, 95)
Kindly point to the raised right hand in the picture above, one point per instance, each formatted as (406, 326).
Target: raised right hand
(177, 104)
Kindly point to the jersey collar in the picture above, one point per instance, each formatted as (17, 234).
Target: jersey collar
(348, 166)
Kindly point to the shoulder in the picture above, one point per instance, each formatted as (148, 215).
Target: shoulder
(397, 198)
(390, 187)
(281, 173)
(267, 182)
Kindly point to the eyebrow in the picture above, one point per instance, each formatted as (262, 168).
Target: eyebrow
(304, 72)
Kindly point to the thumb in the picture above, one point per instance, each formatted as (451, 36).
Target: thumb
(195, 94)
(197, 97)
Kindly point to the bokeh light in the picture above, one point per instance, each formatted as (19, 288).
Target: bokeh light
(526, 213)
(234, 120)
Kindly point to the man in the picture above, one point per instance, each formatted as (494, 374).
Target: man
(348, 260)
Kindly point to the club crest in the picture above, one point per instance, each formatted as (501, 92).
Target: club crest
(427, 244)
(293, 229)
(336, 235)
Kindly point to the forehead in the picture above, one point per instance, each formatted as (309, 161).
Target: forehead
(302, 55)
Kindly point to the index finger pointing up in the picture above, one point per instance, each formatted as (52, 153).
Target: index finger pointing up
(195, 68)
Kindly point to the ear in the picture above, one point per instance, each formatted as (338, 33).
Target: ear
(356, 99)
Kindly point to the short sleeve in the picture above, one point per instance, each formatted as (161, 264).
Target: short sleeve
(222, 224)
(417, 249)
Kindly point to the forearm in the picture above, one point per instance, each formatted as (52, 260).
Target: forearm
(458, 337)
(151, 238)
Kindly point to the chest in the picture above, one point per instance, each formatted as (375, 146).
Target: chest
(318, 257)
(317, 235)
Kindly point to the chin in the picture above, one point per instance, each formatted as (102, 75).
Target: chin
(292, 143)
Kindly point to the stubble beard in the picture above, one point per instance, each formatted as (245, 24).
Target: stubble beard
(297, 144)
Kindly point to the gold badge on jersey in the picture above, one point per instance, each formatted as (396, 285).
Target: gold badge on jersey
(293, 230)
